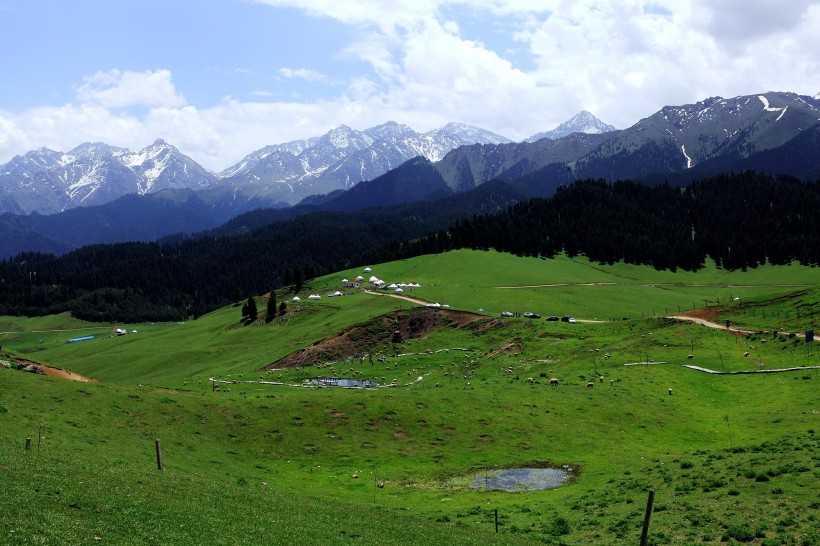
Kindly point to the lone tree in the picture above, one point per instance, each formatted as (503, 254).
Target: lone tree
(283, 307)
(252, 311)
(271, 310)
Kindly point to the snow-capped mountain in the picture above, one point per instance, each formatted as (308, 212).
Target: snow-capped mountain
(771, 132)
(716, 127)
(342, 158)
(582, 122)
(94, 173)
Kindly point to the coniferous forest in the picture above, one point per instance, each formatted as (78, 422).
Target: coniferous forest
(739, 220)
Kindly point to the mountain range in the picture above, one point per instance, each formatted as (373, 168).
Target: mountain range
(157, 191)
(46, 181)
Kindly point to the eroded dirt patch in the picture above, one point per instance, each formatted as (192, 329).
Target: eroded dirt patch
(359, 340)
(51, 371)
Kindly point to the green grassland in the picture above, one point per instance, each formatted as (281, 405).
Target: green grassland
(732, 458)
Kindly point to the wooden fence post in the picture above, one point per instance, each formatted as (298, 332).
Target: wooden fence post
(645, 532)
(159, 456)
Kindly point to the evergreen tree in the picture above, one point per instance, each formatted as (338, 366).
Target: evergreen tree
(252, 311)
(283, 307)
(271, 311)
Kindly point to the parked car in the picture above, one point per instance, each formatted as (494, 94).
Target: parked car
(531, 315)
(552, 318)
(507, 314)
(567, 318)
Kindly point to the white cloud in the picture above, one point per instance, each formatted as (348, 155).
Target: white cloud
(120, 89)
(302, 73)
(622, 60)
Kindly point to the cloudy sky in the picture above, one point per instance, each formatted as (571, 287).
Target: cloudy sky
(221, 78)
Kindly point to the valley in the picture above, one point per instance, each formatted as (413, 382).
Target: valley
(465, 391)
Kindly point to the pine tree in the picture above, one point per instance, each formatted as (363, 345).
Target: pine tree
(252, 311)
(271, 311)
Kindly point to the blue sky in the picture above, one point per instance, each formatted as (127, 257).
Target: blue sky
(222, 78)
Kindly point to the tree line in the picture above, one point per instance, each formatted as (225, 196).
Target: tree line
(739, 220)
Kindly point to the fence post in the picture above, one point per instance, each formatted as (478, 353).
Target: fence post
(159, 456)
(646, 517)
(28, 444)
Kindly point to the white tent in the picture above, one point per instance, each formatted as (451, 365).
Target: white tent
(314, 297)
(296, 299)
(399, 291)
(359, 278)
(367, 270)
(334, 294)
(392, 287)
(374, 278)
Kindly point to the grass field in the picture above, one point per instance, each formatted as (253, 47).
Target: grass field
(732, 458)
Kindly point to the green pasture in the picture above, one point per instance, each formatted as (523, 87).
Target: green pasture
(495, 282)
(732, 458)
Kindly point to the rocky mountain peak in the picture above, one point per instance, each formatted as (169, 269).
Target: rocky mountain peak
(582, 122)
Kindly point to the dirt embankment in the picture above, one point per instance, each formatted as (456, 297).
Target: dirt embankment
(42, 369)
(366, 338)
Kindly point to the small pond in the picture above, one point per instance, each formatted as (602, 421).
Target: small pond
(341, 382)
(522, 479)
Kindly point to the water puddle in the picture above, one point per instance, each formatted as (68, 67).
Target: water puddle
(522, 479)
(342, 382)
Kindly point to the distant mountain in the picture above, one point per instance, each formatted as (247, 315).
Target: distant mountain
(773, 133)
(582, 122)
(341, 159)
(706, 137)
(47, 182)
(92, 174)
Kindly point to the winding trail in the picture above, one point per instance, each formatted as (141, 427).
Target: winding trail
(398, 296)
(711, 324)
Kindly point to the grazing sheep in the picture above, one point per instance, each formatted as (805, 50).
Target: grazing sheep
(530, 380)
(554, 382)
(670, 392)
(746, 353)
(601, 379)
(690, 357)
(590, 385)
(381, 485)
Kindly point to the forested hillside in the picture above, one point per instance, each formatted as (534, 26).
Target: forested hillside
(738, 220)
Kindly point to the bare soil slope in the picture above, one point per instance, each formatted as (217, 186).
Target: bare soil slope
(363, 338)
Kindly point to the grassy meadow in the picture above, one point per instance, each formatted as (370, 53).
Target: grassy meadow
(732, 458)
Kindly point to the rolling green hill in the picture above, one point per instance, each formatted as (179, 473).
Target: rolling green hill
(257, 457)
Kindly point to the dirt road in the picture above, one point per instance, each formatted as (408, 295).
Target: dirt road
(397, 296)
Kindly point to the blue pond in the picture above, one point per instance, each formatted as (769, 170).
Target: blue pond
(522, 479)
